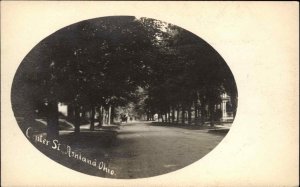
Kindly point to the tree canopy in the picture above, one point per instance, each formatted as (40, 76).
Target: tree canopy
(104, 61)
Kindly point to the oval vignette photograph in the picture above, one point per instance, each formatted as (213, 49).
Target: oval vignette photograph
(124, 97)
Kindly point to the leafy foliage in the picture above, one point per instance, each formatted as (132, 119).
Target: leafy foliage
(102, 62)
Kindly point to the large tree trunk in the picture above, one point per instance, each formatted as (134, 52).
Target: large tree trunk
(109, 115)
(203, 113)
(178, 113)
(112, 114)
(183, 115)
(100, 117)
(105, 121)
(52, 119)
(196, 112)
(103, 115)
(168, 116)
(211, 114)
(77, 120)
(70, 112)
(189, 115)
(173, 114)
(92, 127)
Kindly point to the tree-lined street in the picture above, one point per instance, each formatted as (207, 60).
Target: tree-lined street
(77, 84)
(103, 66)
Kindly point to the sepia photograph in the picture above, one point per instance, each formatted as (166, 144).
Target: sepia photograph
(124, 97)
(149, 93)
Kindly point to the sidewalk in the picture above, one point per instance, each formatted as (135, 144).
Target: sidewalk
(86, 127)
(217, 128)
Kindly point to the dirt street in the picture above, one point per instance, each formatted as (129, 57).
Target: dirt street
(144, 150)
